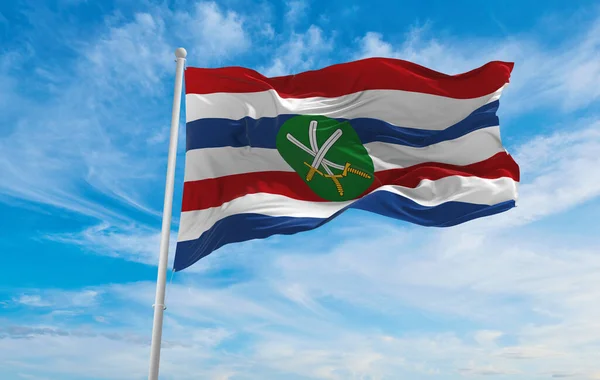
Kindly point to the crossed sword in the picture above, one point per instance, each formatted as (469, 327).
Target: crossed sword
(320, 160)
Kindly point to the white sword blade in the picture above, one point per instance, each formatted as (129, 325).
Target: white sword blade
(312, 136)
(332, 164)
(294, 141)
(325, 148)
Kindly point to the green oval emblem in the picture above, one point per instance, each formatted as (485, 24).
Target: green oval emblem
(328, 156)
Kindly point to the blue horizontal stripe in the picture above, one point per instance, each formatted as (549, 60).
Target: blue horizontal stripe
(244, 227)
(262, 133)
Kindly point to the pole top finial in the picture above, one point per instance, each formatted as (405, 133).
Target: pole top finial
(180, 53)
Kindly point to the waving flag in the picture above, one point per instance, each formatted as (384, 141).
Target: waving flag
(282, 155)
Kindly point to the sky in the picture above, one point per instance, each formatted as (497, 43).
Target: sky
(85, 111)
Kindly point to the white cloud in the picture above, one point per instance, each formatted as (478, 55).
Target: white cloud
(567, 75)
(524, 306)
(485, 371)
(487, 337)
(267, 31)
(212, 33)
(139, 244)
(270, 317)
(301, 52)
(34, 300)
(471, 273)
(557, 173)
(91, 147)
(61, 146)
(59, 299)
(372, 45)
(295, 10)
(134, 54)
(524, 352)
(79, 140)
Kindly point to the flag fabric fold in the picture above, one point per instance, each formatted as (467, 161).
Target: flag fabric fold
(283, 155)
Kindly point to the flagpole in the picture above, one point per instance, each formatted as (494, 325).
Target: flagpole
(159, 302)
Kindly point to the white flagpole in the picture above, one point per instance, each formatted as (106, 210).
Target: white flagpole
(159, 302)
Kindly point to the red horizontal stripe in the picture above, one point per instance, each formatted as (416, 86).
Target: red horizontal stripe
(198, 195)
(351, 77)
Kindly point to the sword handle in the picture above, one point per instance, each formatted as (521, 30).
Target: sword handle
(311, 172)
(357, 172)
(338, 185)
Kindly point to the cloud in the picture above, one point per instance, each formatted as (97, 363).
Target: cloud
(378, 299)
(28, 376)
(69, 150)
(301, 52)
(487, 337)
(133, 243)
(59, 299)
(484, 371)
(561, 169)
(34, 300)
(521, 352)
(295, 10)
(133, 55)
(565, 182)
(63, 145)
(372, 45)
(557, 173)
(302, 314)
(94, 141)
(567, 74)
(214, 33)
(258, 346)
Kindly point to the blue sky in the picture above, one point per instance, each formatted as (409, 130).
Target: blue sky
(85, 111)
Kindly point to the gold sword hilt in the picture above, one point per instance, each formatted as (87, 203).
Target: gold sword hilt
(311, 172)
(349, 169)
(337, 183)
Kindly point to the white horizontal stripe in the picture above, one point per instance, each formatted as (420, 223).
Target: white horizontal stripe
(400, 108)
(468, 149)
(219, 162)
(428, 193)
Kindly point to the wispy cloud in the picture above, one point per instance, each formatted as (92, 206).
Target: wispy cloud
(89, 147)
(567, 75)
(487, 337)
(57, 299)
(133, 243)
(484, 371)
(270, 320)
(213, 33)
(34, 300)
(302, 51)
(378, 299)
(62, 148)
(295, 10)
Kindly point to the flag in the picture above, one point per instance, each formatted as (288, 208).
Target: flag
(281, 155)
